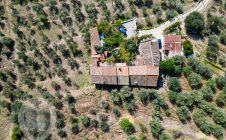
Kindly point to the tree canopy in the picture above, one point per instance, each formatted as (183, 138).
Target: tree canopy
(194, 23)
(188, 48)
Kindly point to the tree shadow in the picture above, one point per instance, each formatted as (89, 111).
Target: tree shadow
(195, 37)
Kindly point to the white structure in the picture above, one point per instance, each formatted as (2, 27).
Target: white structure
(172, 46)
(131, 27)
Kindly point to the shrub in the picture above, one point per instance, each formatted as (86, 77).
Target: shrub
(205, 106)
(152, 94)
(221, 100)
(172, 28)
(70, 99)
(5, 104)
(196, 97)
(93, 111)
(172, 96)
(143, 96)
(60, 123)
(207, 93)
(223, 38)
(115, 97)
(200, 68)
(156, 114)
(132, 137)
(62, 133)
(143, 128)
(194, 80)
(142, 136)
(205, 127)
(211, 83)
(211, 53)
(178, 60)
(193, 63)
(16, 133)
(221, 82)
(147, 95)
(222, 61)
(5, 41)
(164, 136)
(104, 126)
(188, 48)
(158, 103)
(85, 120)
(73, 120)
(215, 23)
(199, 119)
(217, 131)
(116, 112)
(105, 104)
(204, 71)
(125, 93)
(94, 123)
(174, 84)
(184, 99)
(75, 129)
(126, 126)
(130, 105)
(156, 128)
(176, 133)
(187, 70)
(219, 117)
(103, 117)
(183, 113)
(212, 40)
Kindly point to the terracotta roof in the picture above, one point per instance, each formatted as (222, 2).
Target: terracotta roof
(96, 79)
(137, 80)
(123, 80)
(143, 70)
(152, 81)
(94, 63)
(172, 38)
(155, 53)
(96, 70)
(149, 81)
(173, 47)
(128, 75)
(145, 49)
(110, 80)
(123, 71)
(149, 54)
(94, 39)
(109, 71)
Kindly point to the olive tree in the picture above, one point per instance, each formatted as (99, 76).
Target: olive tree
(219, 117)
(156, 128)
(183, 113)
(194, 80)
(194, 22)
(174, 84)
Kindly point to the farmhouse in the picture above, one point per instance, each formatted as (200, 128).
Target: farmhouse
(172, 45)
(143, 72)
